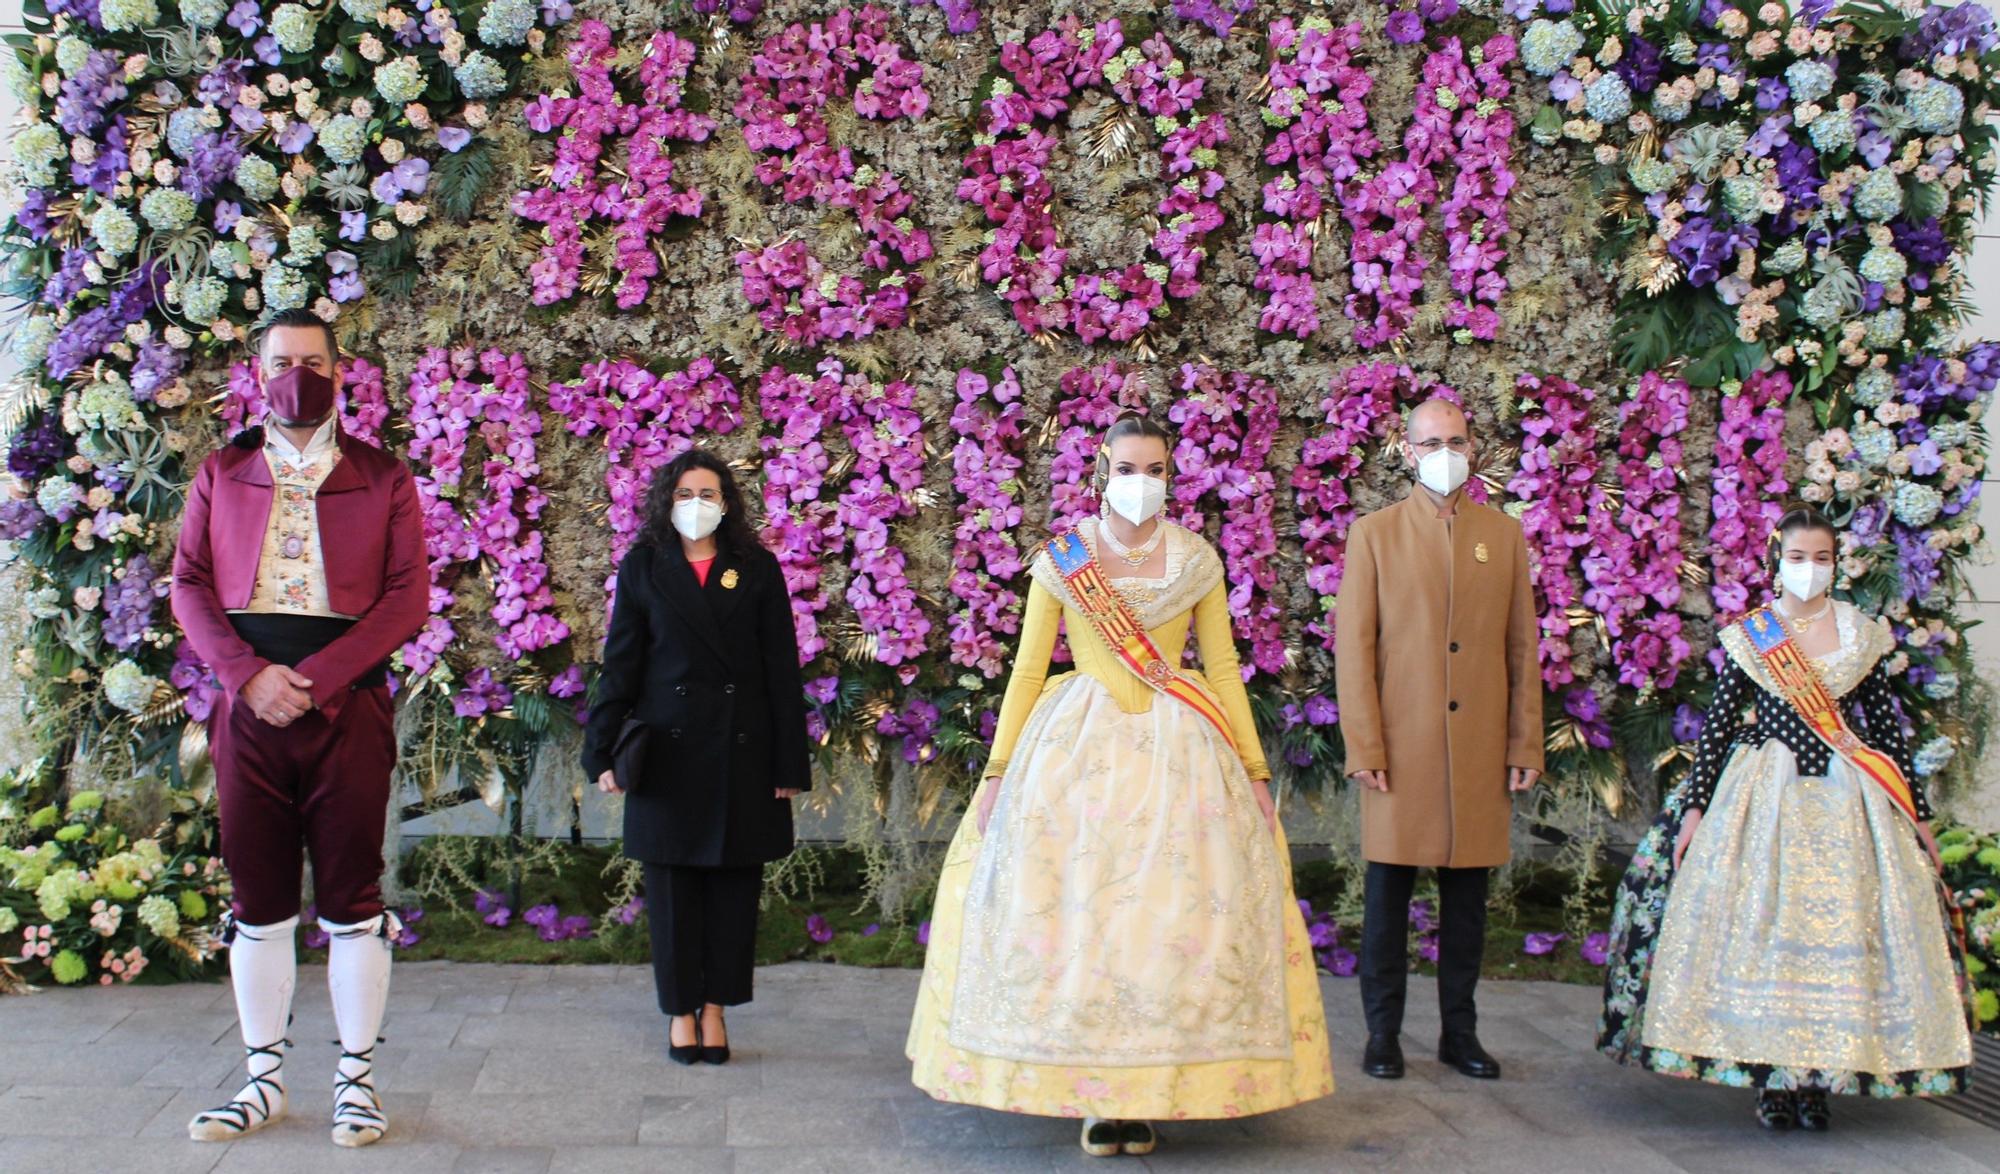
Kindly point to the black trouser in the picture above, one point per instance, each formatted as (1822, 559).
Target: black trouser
(1385, 938)
(704, 923)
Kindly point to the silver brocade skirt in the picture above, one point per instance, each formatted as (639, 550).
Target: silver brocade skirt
(1803, 931)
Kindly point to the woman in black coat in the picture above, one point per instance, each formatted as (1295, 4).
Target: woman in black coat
(702, 652)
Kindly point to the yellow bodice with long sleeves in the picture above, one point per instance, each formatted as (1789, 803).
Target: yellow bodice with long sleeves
(1192, 596)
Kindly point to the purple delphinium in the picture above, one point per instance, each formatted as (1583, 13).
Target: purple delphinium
(1640, 66)
(86, 95)
(20, 518)
(102, 173)
(129, 602)
(36, 449)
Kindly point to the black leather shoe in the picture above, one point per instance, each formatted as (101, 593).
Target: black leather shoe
(712, 1054)
(1383, 1057)
(1464, 1053)
(1777, 1111)
(1814, 1115)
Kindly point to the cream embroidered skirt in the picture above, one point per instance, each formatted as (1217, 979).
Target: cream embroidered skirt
(1124, 942)
(1803, 932)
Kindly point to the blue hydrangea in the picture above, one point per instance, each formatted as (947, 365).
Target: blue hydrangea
(168, 209)
(183, 126)
(123, 16)
(400, 81)
(1739, 196)
(302, 244)
(58, 496)
(115, 230)
(203, 299)
(480, 76)
(222, 255)
(1789, 257)
(204, 14)
(364, 10)
(1874, 387)
(1951, 434)
(284, 288)
(258, 178)
(1934, 755)
(1669, 106)
(19, 83)
(1832, 131)
(1937, 109)
(1550, 45)
(38, 146)
(1874, 444)
(344, 138)
(1885, 329)
(72, 54)
(1809, 80)
(295, 28)
(1942, 687)
(1823, 306)
(127, 686)
(32, 339)
(1879, 196)
(1917, 504)
(1883, 265)
(1607, 99)
(507, 22)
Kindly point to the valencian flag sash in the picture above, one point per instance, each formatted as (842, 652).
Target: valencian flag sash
(1121, 631)
(1800, 685)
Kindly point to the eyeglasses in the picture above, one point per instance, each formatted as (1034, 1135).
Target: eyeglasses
(713, 496)
(1427, 447)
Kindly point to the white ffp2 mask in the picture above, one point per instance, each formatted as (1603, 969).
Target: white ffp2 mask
(1135, 496)
(1443, 471)
(696, 519)
(1805, 582)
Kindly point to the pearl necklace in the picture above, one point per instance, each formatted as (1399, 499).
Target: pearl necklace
(1135, 555)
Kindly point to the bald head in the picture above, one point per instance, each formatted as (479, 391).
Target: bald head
(1438, 419)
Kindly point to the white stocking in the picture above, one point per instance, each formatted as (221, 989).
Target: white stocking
(357, 973)
(263, 969)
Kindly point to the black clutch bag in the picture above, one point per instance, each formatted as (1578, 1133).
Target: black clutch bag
(628, 754)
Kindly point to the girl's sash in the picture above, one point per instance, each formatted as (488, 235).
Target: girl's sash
(1100, 603)
(1800, 685)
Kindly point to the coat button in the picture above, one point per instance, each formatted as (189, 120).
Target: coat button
(1453, 707)
(742, 738)
(681, 690)
(1454, 646)
(729, 688)
(675, 732)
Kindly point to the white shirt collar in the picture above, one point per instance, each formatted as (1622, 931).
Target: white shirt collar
(322, 439)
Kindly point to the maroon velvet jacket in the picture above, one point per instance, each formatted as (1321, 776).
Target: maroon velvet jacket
(371, 536)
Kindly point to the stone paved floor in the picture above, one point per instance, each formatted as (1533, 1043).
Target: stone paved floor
(563, 1069)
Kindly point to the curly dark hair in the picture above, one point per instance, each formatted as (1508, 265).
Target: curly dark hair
(734, 535)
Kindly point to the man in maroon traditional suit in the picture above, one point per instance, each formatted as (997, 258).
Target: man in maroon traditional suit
(300, 570)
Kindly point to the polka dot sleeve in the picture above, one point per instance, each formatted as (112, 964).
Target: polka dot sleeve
(1718, 735)
(1882, 726)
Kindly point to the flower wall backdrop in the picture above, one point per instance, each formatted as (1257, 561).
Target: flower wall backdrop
(899, 263)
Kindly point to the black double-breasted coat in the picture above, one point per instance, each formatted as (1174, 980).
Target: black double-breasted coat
(714, 673)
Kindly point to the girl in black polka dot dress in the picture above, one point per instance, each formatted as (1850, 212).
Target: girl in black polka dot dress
(1780, 926)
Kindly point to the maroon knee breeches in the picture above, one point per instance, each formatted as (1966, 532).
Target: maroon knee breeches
(315, 787)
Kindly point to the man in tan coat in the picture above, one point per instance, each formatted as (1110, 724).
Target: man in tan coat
(1441, 710)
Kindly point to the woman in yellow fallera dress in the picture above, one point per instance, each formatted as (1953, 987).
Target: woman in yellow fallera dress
(1115, 936)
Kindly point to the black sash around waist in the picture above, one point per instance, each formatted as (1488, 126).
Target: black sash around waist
(287, 640)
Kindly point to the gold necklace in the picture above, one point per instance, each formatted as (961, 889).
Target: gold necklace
(1799, 624)
(1135, 555)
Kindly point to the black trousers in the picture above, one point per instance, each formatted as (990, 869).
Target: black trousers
(704, 924)
(1385, 939)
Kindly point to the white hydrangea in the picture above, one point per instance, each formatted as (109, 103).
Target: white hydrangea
(204, 14)
(157, 913)
(127, 686)
(400, 81)
(507, 22)
(38, 147)
(258, 178)
(168, 209)
(481, 77)
(1549, 45)
(32, 339)
(116, 232)
(344, 138)
(107, 403)
(121, 16)
(202, 300)
(363, 10)
(284, 288)
(72, 54)
(295, 27)
(1937, 109)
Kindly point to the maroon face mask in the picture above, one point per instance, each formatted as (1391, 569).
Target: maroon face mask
(299, 395)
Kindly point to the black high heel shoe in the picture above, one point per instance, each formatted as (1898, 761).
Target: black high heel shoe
(1777, 1111)
(1814, 1115)
(714, 1055)
(684, 1053)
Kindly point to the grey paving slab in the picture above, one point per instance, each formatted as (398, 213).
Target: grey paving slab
(540, 1070)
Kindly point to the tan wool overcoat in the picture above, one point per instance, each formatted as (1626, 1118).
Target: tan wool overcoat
(1438, 682)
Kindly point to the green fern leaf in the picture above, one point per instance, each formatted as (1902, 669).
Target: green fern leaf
(461, 177)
